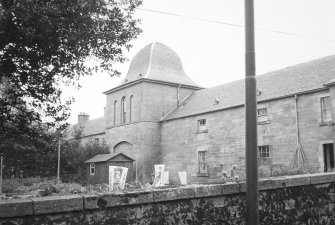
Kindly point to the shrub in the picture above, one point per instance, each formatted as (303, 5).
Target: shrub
(10, 185)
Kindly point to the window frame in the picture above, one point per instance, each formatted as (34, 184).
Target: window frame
(92, 166)
(130, 107)
(115, 103)
(123, 110)
(202, 128)
(264, 156)
(262, 115)
(325, 109)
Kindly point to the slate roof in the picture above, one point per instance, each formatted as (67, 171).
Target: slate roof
(106, 157)
(285, 82)
(90, 127)
(157, 61)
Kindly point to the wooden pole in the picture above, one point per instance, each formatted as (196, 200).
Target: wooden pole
(58, 163)
(252, 216)
(1, 168)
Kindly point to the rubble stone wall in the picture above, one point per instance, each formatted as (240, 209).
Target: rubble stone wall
(303, 199)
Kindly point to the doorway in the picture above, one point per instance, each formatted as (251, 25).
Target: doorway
(328, 157)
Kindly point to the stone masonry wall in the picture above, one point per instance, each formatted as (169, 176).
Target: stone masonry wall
(150, 102)
(304, 199)
(145, 140)
(224, 139)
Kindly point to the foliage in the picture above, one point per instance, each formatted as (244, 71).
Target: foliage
(276, 171)
(45, 44)
(73, 156)
(26, 157)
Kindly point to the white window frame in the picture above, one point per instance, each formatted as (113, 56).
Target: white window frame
(202, 126)
(261, 116)
(323, 109)
(267, 151)
(92, 167)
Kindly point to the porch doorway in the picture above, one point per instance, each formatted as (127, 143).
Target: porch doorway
(328, 157)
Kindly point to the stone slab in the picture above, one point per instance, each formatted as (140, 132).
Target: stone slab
(208, 190)
(117, 199)
(233, 187)
(320, 178)
(16, 207)
(55, 204)
(173, 194)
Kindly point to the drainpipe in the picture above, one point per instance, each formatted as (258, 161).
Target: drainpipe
(296, 119)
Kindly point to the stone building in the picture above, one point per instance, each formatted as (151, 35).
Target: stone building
(158, 115)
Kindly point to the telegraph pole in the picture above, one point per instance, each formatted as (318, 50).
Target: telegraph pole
(250, 117)
(1, 168)
(58, 162)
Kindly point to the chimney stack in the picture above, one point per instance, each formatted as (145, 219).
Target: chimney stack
(83, 117)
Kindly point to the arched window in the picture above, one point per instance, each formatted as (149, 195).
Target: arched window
(123, 112)
(115, 112)
(131, 108)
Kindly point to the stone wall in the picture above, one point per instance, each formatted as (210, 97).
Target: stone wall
(225, 137)
(150, 102)
(304, 199)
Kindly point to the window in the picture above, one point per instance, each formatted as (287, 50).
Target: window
(264, 151)
(264, 154)
(202, 128)
(202, 162)
(115, 102)
(262, 112)
(92, 169)
(130, 108)
(123, 112)
(325, 109)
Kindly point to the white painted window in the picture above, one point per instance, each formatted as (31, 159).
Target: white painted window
(264, 155)
(262, 112)
(264, 151)
(92, 169)
(325, 109)
(202, 126)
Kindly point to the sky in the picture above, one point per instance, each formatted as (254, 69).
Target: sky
(208, 36)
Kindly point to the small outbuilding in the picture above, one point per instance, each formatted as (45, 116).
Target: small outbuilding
(97, 167)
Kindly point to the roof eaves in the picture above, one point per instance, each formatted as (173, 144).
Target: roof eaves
(330, 83)
(123, 86)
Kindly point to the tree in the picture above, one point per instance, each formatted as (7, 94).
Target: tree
(47, 43)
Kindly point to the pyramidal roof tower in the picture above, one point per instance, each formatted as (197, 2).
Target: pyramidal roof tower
(157, 61)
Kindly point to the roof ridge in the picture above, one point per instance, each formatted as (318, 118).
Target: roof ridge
(150, 60)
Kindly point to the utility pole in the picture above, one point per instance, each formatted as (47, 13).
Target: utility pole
(1, 168)
(58, 164)
(251, 118)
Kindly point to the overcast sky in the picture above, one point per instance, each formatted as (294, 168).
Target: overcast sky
(208, 35)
